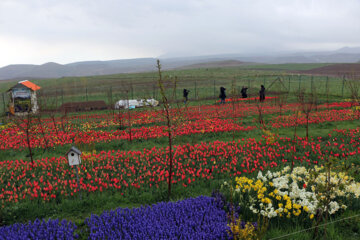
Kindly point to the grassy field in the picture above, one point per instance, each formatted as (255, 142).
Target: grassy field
(202, 83)
(288, 67)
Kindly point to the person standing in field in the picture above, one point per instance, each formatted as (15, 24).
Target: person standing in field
(222, 95)
(185, 94)
(262, 93)
(243, 92)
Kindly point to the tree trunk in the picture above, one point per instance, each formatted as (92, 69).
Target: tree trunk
(170, 163)
(43, 134)
(307, 127)
(28, 143)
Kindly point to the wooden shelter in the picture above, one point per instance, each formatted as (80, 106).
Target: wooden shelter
(23, 98)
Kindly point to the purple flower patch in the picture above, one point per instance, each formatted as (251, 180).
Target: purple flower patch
(194, 218)
(52, 229)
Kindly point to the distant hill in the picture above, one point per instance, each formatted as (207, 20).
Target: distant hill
(215, 64)
(350, 70)
(89, 68)
(92, 68)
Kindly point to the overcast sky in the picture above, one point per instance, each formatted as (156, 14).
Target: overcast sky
(64, 31)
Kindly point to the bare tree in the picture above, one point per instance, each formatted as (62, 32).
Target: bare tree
(281, 101)
(24, 123)
(173, 118)
(129, 116)
(353, 84)
(234, 96)
(307, 103)
(259, 107)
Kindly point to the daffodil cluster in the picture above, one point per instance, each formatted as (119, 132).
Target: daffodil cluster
(241, 230)
(300, 192)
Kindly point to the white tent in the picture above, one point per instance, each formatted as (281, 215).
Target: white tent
(133, 103)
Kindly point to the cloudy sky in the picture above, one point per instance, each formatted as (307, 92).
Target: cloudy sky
(64, 31)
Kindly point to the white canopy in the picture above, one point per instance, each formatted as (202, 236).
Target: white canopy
(133, 103)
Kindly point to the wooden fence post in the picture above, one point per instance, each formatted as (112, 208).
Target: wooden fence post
(62, 96)
(289, 84)
(132, 91)
(195, 91)
(3, 98)
(327, 85)
(214, 89)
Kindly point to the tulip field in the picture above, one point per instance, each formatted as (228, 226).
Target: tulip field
(239, 170)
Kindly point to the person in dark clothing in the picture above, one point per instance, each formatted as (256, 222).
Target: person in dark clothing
(222, 95)
(243, 92)
(262, 93)
(185, 94)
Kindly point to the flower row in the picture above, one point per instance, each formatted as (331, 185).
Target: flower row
(51, 178)
(14, 139)
(17, 140)
(193, 218)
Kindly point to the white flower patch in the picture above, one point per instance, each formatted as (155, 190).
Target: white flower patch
(261, 177)
(334, 206)
(354, 188)
(285, 193)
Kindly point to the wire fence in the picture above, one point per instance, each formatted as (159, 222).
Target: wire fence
(201, 88)
(286, 236)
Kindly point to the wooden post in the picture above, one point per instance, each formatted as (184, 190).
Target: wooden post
(3, 98)
(56, 100)
(132, 91)
(342, 90)
(299, 82)
(289, 84)
(214, 89)
(312, 83)
(327, 85)
(175, 93)
(62, 96)
(86, 93)
(111, 99)
(195, 91)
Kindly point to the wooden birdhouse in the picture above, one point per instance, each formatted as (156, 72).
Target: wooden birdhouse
(74, 156)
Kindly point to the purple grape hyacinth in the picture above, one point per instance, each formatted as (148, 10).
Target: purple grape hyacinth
(52, 229)
(194, 218)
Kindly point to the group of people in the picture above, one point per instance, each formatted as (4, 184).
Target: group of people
(244, 89)
(222, 95)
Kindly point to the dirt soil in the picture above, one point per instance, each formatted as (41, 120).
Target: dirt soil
(343, 69)
(83, 106)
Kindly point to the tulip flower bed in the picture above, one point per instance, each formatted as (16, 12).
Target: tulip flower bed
(95, 121)
(127, 173)
(246, 99)
(52, 178)
(13, 138)
(51, 229)
(197, 218)
(315, 117)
